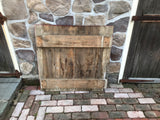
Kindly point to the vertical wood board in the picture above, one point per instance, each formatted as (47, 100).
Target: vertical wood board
(143, 59)
(74, 62)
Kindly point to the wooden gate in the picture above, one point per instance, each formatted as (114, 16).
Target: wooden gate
(143, 60)
(73, 57)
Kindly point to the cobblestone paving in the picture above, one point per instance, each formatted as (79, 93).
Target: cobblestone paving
(118, 102)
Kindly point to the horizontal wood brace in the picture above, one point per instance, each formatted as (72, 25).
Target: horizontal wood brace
(73, 30)
(73, 41)
(57, 84)
(74, 79)
(147, 18)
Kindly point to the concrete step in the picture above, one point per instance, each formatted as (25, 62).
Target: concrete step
(8, 90)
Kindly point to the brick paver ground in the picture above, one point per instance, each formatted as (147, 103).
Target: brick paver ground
(118, 102)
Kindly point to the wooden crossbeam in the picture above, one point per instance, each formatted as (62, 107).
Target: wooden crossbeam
(147, 18)
(135, 81)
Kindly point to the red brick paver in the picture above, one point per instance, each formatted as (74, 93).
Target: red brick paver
(24, 114)
(135, 114)
(146, 101)
(41, 113)
(98, 101)
(135, 95)
(54, 110)
(89, 108)
(29, 102)
(72, 109)
(18, 109)
(49, 103)
(65, 102)
(114, 103)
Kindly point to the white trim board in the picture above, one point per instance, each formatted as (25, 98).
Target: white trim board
(128, 39)
(9, 41)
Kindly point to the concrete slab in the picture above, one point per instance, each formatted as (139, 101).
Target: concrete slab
(8, 88)
(3, 106)
(10, 80)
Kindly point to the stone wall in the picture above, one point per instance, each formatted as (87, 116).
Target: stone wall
(23, 15)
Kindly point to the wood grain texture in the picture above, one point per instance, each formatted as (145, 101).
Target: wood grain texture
(73, 57)
(40, 62)
(72, 41)
(86, 63)
(76, 84)
(151, 21)
(73, 62)
(6, 63)
(58, 63)
(74, 30)
(148, 7)
(143, 59)
(105, 61)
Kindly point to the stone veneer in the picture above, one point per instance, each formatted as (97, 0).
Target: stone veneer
(23, 15)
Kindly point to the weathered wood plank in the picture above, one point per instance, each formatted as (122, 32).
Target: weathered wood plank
(88, 63)
(143, 56)
(40, 62)
(6, 63)
(47, 53)
(85, 63)
(67, 62)
(73, 57)
(74, 84)
(147, 18)
(107, 42)
(59, 63)
(151, 21)
(50, 68)
(105, 61)
(72, 41)
(148, 7)
(74, 63)
(74, 30)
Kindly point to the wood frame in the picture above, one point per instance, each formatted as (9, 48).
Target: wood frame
(9, 41)
(128, 39)
(59, 53)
